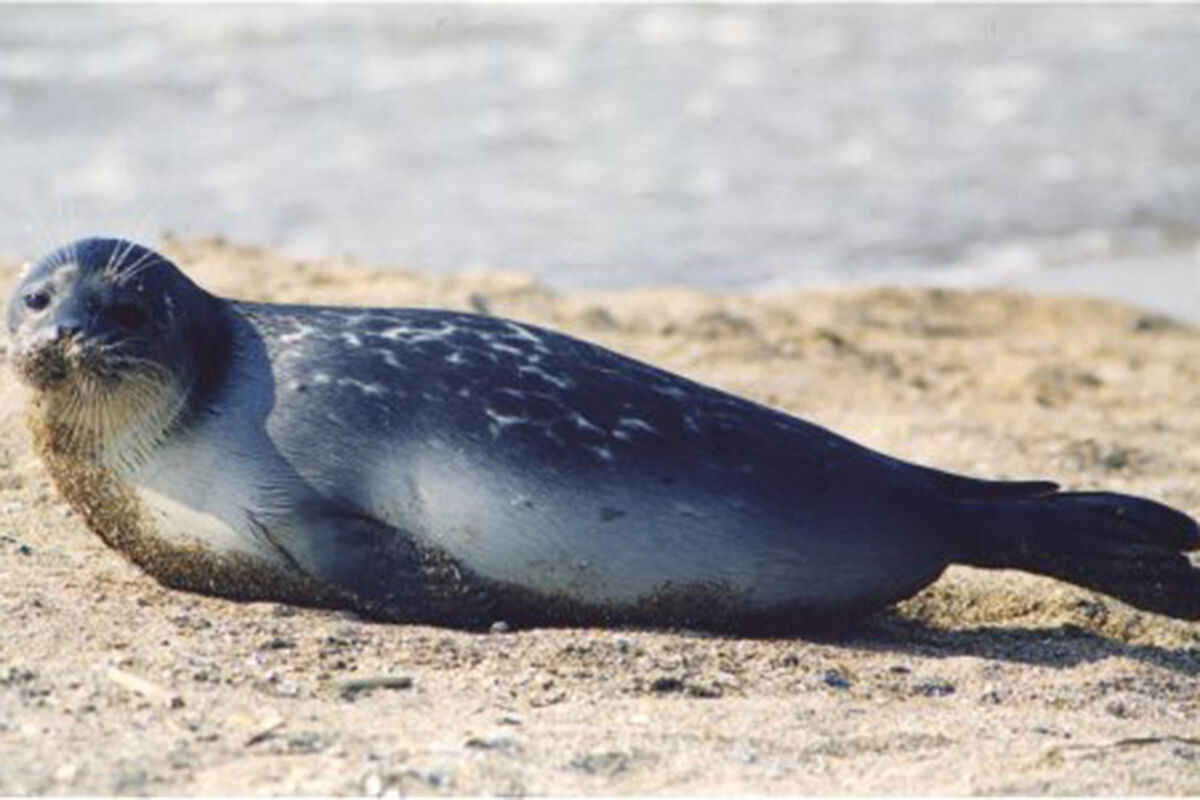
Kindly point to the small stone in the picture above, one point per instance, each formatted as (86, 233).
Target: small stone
(352, 688)
(434, 778)
(499, 626)
(492, 742)
(191, 622)
(704, 690)
(666, 685)
(835, 679)
(934, 688)
(609, 763)
(277, 643)
(66, 773)
(306, 742)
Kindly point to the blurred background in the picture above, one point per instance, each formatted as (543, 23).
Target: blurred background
(1054, 148)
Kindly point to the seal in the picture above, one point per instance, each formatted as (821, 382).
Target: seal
(439, 467)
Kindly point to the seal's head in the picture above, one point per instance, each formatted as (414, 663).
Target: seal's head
(113, 338)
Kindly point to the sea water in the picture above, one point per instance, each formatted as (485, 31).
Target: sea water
(717, 146)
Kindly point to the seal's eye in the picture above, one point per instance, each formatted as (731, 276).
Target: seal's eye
(128, 315)
(37, 301)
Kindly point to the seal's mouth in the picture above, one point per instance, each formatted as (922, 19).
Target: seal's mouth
(65, 362)
(46, 366)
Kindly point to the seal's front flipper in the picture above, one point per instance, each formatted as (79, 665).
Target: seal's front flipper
(381, 571)
(1126, 547)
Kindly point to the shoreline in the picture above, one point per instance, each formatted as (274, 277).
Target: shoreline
(987, 682)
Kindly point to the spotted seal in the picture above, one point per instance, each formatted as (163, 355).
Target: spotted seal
(451, 468)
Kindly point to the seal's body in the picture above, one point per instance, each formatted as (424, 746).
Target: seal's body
(453, 468)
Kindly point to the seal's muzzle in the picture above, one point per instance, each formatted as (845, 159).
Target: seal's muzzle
(46, 362)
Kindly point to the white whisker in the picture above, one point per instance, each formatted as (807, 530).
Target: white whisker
(116, 257)
(148, 259)
(112, 257)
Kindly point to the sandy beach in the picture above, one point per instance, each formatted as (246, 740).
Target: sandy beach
(987, 682)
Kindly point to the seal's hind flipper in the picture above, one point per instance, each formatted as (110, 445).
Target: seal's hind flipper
(1126, 547)
(963, 487)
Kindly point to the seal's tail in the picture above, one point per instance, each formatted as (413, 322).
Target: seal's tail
(1126, 547)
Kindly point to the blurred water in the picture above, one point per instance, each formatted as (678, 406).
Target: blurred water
(611, 145)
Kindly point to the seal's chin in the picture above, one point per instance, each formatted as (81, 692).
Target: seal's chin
(46, 367)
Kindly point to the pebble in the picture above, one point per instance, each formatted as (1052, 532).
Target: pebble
(66, 773)
(835, 679)
(666, 684)
(934, 688)
(353, 687)
(277, 643)
(491, 742)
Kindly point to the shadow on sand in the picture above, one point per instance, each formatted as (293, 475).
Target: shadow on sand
(1063, 646)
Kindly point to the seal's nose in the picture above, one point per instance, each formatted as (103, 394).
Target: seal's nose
(67, 329)
(69, 319)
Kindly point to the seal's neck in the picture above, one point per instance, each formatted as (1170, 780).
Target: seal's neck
(108, 426)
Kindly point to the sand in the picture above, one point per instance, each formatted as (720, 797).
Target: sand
(988, 682)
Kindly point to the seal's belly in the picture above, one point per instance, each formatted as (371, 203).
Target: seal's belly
(608, 539)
